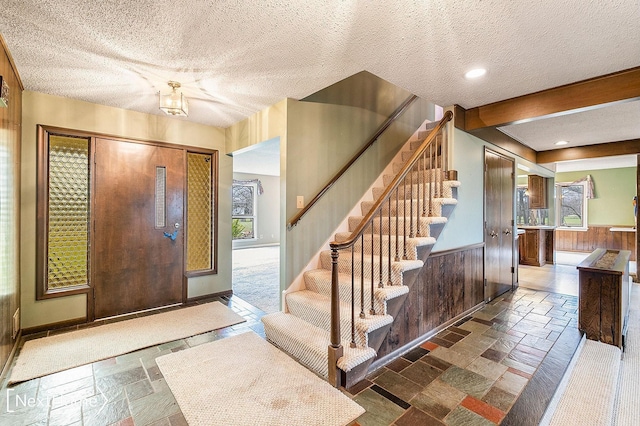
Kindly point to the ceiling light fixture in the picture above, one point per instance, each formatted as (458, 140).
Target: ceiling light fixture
(174, 103)
(560, 143)
(475, 73)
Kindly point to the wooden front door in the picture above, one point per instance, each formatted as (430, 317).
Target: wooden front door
(139, 192)
(498, 216)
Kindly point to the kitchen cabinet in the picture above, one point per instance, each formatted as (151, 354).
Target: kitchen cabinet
(537, 187)
(536, 246)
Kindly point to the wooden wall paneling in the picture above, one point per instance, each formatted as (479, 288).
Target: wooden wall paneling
(595, 237)
(10, 143)
(448, 284)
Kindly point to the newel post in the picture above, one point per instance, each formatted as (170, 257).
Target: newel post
(335, 348)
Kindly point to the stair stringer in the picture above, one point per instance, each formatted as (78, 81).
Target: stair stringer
(356, 360)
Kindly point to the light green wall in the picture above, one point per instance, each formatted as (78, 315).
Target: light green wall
(268, 211)
(50, 110)
(465, 225)
(614, 191)
(320, 140)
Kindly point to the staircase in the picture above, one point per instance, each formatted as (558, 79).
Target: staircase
(371, 268)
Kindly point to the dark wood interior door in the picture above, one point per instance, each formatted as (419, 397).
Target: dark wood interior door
(498, 210)
(507, 189)
(139, 192)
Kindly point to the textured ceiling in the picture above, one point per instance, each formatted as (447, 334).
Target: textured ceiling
(237, 57)
(613, 123)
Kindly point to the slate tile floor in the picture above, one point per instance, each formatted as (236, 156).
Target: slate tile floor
(132, 384)
(470, 374)
(473, 372)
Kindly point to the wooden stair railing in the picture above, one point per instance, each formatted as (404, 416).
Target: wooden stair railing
(431, 164)
(384, 126)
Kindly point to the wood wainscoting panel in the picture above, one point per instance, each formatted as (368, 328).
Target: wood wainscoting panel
(449, 284)
(595, 237)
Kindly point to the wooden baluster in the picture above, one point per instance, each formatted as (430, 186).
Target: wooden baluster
(442, 165)
(411, 229)
(430, 171)
(404, 219)
(380, 284)
(362, 315)
(397, 221)
(372, 311)
(335, 348)
(389, 242)
(353, 301)
(418, 193)
(422, 172)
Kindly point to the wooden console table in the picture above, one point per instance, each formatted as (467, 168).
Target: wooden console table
(604, 296)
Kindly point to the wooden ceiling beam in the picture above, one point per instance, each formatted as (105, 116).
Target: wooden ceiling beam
(590, 151)
(584, 95)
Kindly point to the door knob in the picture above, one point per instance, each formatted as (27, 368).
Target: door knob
(493, 234)
(507, 231)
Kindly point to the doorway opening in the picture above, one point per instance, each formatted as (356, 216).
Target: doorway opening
(256, 225)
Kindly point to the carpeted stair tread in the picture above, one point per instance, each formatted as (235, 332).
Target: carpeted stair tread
(389, 224)
(344, 266)
(315, 308)
(319, 281)
(412, 190)
(412, 244)
(406, 155)
(397, 166)
(308, 343)
(406, 207)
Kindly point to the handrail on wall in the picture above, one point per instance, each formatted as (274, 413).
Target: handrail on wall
(394, 116)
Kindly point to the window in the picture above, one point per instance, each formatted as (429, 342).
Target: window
(572, 205)
(243, 211)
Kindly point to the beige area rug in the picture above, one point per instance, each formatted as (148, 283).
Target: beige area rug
(627, 408)
(48, 355)
(589, 396)
(244, 380)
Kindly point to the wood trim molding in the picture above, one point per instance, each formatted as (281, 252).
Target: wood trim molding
(494, 136)
(579, 96)
(11, 62)
(456, 250)
(590, 151)
(225, 293)
(54, 326)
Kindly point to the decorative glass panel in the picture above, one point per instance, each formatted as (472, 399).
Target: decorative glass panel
(199, 212)
(68, 236)
(161, 197)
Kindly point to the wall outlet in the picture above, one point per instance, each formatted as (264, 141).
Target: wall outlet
(300, 201)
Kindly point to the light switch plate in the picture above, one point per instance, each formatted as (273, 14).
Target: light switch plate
(300, 201)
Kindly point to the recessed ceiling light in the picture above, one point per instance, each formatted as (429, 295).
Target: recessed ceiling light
(475, 73)
(560, 143)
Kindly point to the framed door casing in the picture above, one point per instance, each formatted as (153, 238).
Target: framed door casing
(105, 197)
